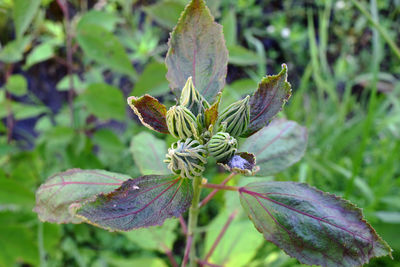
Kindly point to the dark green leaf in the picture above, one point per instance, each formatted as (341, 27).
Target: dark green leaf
(152, 80)
(142, 202)
(56, 198)
(23, 13)
(103, 47)
(310, 225)
(197, 49)
(149, 153)
(104, 101)
(272, 93)
(17, 85)
(166, 13)
(277, 146)
(150, 112)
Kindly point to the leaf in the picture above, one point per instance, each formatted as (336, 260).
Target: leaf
(79, 85)
(149, 153)
(104, 101)
(243, 162)
(166, 13)
(277, 146)
(211, 113)
(272, 93)
(40, 53)
(23, 13)
(150, 112)
(14, 192)
(229, 24)
(14, 50)
(197, 48)
(238, 55)
(142, 202)
(156, 238)
(106, 20)
(310, 225)
(62, 191)
(17, 85)
(152, 80)
(103, 47)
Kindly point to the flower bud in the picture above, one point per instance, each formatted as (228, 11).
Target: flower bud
(186, 158)
(235, 118)
(181, 122)
(222, 146)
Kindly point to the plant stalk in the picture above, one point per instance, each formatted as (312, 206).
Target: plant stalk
(192, 225)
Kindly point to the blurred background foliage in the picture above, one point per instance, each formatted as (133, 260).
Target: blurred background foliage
(67, 68)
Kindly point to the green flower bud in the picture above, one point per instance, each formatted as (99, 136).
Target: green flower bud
(186, 158)
(181, 122)
(222, 146)
(192, 100)
(235, 118)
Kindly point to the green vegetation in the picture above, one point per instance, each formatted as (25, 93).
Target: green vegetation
(68, 68)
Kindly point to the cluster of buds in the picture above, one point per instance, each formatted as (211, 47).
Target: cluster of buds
(186, 121)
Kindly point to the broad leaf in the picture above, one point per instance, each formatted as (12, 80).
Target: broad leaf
(166, 13)
(150, 112)
(243, 162)
(23, 13)
(104, 101)
(272, 93)
(17, 85)
(142, 202)
(103, 47)
(149, 153)
(310, 225)
(152, 80)
(56, 197)
(197, 48)
(277, 146)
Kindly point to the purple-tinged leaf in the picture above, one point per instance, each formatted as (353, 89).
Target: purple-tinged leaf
(197, 48)
(243, 162)
(272, 93)
(277, 146)
(56, 198)
(142, 202)
(211, 113)
(313, 226)
(150, 112)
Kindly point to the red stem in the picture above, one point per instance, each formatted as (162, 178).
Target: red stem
(215, 191)
(183, 225)
(221, 234)
(170, 256)
(221, 187)
(208, 263)
(187, 250)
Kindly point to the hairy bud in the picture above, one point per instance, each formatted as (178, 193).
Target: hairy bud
(181, 122)
(222, 146)
(235, 118)
(186, 158)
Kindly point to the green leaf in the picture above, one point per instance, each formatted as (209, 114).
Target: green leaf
(106, 20)
(152, 80)
(79, 85)
(151, 113)
(40, 53)
(156, 238)
(142, 202)
(14, 192)
(197, 49)
(166, 13)
(149, 153)
(310, 225)
(229, 25)
(238, 55)
(17, 85)
(108, 141)
(277, 146)
(20, 245)
(238, 245)
(272, 93)
(14, 50)
(23, 13)
(57, 197)
(103, 47)
(104, 101)
(145, 261)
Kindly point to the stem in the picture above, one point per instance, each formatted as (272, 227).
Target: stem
(183, 225)
(221, 187)
(215, 191)
(10, 119)
(192, 225)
